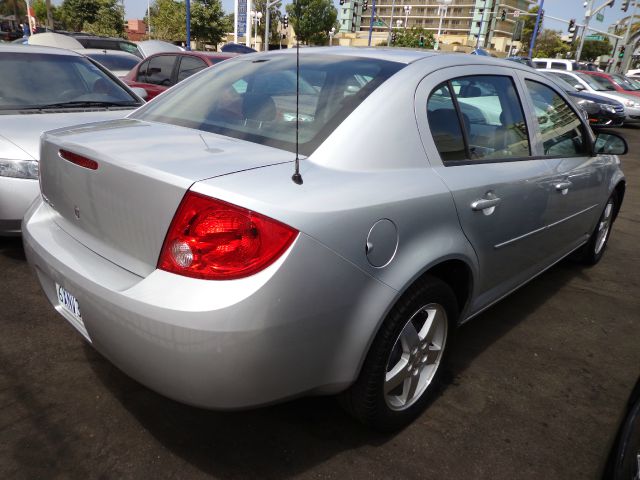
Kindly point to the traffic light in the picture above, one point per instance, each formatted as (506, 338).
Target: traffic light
(625, 5)
(503, 15)
(541, 15)
(573, 30)
(572, 25)
(365, 5)
(393, 37)
(285, 21)
(621, 54)
(341, 2)
(421, 41)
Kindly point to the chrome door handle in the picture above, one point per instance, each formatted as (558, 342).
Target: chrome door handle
(563, 187)
(484, 203)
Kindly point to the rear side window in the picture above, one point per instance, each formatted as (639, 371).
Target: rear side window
(142, 72)
(493, 125)
(189, 66)
(160, 70)
(540, 64)
(559, 65)
(561, 128)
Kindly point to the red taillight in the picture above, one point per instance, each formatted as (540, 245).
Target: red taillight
(78, 159)
(214, 240)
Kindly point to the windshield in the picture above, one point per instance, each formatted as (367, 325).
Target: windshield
(600, 84)
(566, 86)
(624, 83)
(114, 62)
(34, 80)
(254, 98)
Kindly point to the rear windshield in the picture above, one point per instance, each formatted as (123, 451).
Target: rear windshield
(254, 98)
(109, 44)
(114, 62)
(35, 80)
(624, 83)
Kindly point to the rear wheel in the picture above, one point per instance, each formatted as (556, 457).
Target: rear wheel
(403, 368)
(592, 252)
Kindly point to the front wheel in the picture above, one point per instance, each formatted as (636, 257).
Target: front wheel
(404, 365)
(592, 252)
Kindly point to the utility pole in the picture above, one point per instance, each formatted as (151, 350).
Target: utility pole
(188, 46)
(373, 16)
(49, 16)
(267, 22)
(484, 9)
(587, 17)
(626, 53)
(393, 5)
(535, 29)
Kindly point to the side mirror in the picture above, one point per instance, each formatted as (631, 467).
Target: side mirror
(579, 87)
(610, 144)
(141, 92)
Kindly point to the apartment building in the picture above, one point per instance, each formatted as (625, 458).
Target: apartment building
(463, 21)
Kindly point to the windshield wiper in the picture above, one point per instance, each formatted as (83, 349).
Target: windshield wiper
(86, 103)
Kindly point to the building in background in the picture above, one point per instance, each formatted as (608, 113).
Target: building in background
(136, 30)
(463, 23)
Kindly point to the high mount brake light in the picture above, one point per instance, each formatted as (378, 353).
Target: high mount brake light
(78, 159)
(214, 240)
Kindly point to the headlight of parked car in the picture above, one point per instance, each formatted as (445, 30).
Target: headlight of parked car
(19, 168)
(608, 108)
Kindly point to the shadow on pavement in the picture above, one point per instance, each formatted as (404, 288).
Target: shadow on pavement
(11, 247)
(289, 438)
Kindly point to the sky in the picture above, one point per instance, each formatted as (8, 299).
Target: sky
(566, 9)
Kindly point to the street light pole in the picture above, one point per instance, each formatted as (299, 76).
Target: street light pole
(442, 11)
(587, 17)
(484, 9)
(626, 38)
(267, 22)
(188, 46)
(407, 11)
(393, 5)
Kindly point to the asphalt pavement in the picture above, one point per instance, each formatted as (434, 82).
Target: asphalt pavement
(536, 390)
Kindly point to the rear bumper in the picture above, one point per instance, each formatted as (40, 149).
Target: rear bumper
(16, 194)
(302, 325)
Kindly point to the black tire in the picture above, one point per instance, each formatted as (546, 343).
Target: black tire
(366, 399)
(592, 251)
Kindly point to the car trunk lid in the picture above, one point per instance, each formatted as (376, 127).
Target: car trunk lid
(123, 208)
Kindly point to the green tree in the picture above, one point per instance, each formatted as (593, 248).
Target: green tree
(312, 20)
(109, 20)
(168, 20)
(75, 13)
(207, 22)
(550, 45)
(528, 27)
(592, 49)
(229, 19)
(40, 10)
(410, 37)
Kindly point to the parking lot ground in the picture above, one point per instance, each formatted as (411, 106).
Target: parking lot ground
(536, 390)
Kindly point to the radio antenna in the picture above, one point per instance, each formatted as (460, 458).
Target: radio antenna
(297, 178)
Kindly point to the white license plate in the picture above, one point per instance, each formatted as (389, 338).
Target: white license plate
(68, 302)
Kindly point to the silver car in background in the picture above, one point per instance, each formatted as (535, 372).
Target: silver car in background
(178, 243)
(585, 82)
(42, 89)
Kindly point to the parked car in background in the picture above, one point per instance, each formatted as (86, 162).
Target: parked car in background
(44, 89)
(615, 82)
(197, 263)
(151, 47)
(557, 64)
(161, 71)
(117, 62)
(584, 82)
(602, 111)
(523, 60)
(108, 43)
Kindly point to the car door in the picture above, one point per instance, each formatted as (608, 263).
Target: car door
(476, 135)
(564, 139)
(188, 66)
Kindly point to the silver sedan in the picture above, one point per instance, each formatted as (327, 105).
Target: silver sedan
(183, 243)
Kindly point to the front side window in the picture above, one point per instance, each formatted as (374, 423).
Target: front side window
(255, 99)
(561, 128)
(491, 113)
(160, 70)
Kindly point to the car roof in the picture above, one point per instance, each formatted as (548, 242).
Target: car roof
(103, 51)
(400, 55)
(15, 48)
